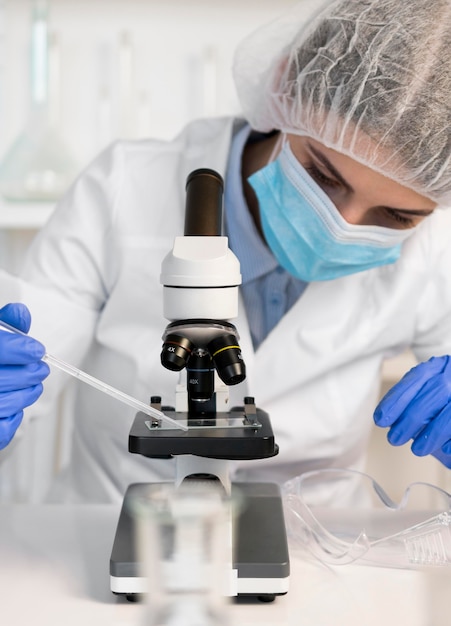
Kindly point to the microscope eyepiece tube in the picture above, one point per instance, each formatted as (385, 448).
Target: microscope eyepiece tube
(203, 208)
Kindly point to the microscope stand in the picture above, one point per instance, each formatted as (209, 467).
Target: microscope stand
(260, 560)
(260, 555)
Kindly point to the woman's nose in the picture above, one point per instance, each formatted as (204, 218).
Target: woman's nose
(353, 213)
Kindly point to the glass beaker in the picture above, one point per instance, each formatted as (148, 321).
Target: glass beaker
(38, 165)
(184, 551)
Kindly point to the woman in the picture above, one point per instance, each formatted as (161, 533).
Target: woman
(335, 186)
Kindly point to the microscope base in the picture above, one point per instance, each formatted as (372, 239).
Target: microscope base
(260, 560)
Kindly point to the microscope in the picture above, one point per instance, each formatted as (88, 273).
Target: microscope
(200, 279)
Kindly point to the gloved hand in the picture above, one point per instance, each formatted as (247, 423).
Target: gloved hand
(21, 370)
(418, 407)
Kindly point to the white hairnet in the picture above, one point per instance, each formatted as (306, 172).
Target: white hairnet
(368, 78)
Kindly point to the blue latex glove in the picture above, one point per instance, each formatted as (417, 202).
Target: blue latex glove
(419, 408)
(21, 370)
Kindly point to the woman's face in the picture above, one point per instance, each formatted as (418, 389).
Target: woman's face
(362, 195)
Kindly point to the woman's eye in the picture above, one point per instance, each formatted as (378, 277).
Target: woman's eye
(322, 179)
(407, 222)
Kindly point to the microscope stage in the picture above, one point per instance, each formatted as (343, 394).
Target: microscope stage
(219, 443)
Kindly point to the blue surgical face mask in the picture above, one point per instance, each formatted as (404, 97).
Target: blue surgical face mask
(306, 232)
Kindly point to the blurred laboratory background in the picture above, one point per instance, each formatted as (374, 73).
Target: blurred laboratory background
(74, 76)
(77, 74)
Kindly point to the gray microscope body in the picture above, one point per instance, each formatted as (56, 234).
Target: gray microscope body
(200, 278)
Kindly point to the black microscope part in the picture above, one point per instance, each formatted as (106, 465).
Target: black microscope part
(175, 352)
(203, 205)
(226, 355)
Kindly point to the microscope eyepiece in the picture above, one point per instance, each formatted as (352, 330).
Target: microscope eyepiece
(203, 209)
(226, 355)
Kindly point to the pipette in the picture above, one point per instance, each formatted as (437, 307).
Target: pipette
(100, 385)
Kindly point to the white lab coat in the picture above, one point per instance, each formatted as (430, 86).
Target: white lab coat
(91, 281)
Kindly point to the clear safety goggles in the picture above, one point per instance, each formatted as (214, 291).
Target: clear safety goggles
(413, 533)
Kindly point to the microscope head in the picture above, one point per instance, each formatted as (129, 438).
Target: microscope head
(200, 277)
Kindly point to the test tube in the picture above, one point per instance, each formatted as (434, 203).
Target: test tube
(102, 386)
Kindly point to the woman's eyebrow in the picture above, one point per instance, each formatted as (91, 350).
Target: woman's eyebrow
(419, 212)
(325, 161)
(327, 164)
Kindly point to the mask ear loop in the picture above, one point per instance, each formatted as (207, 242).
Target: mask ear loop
(281, 139)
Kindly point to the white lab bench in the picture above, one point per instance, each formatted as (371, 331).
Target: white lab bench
(54, 570)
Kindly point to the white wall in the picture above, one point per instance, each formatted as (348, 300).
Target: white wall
(128, 68)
